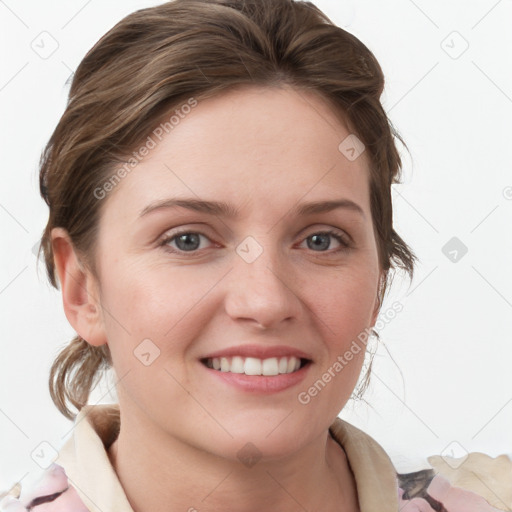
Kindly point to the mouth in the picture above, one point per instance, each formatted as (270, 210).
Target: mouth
(269, 367)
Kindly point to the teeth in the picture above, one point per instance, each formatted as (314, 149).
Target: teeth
(237, 365)
(254, 366)
(283, 365)
(270, 366)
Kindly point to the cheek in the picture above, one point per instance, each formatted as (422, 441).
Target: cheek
(146, 301)
(346, 308)
(168, 309)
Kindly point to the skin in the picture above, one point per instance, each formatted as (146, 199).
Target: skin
(263, 150)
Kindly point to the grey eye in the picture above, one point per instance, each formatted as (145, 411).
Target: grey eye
(188, 241)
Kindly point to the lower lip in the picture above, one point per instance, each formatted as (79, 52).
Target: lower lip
(261, 383)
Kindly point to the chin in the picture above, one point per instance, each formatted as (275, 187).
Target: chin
(257, 441)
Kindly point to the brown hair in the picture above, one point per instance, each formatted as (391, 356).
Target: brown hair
(158, 58)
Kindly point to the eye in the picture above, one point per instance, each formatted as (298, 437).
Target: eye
(320, 240)
(186, 241)
(190, 241)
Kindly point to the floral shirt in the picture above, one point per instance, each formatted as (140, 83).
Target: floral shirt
(82, 479)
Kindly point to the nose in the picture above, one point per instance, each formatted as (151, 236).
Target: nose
(263, 292)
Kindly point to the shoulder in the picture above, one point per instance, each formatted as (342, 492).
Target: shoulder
(52, 488)
(475, 482)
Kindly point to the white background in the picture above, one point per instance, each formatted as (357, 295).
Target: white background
(442, 380)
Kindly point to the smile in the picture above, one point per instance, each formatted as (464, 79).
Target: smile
(253, 366)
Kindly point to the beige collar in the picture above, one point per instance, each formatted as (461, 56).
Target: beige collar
(85, 459)
(374, 473)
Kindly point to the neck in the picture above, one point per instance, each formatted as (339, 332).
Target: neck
(160, 473)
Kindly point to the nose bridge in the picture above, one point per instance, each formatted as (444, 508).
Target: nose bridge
(259, 290)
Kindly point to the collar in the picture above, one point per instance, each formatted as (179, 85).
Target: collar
(374, 473)
(85, 460)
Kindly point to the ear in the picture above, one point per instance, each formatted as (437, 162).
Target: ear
(80, 291)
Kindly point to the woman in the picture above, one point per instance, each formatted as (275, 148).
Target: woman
(221, 229)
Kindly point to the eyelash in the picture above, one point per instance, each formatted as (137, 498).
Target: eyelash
(345, 244)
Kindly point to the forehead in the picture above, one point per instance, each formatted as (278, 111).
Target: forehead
(246, 145)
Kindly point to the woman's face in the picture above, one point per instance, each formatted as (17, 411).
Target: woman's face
(260, 282)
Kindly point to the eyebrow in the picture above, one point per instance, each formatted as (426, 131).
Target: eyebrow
(221, 209)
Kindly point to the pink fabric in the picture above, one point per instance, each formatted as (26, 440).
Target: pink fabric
(54, 481)
(454, 499)
(52, 485)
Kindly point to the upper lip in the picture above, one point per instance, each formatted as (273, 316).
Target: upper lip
(259, 352)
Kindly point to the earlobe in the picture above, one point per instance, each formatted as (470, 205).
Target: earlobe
(80, 296)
